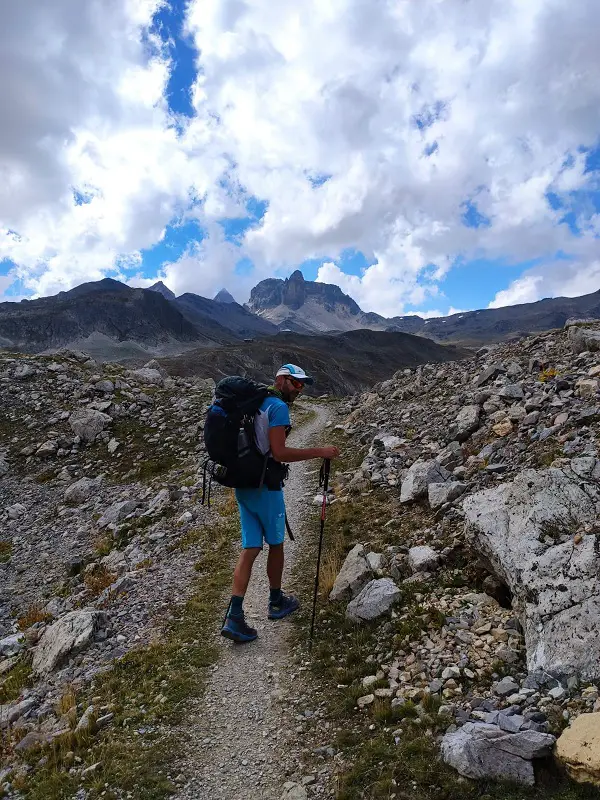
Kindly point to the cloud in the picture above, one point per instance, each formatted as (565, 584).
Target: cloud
(559, 279)
(410, 110)
(93, 166)
(358, 124)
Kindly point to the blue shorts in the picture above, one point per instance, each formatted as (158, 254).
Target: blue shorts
(262, 516)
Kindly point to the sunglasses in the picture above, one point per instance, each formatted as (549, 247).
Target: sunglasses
(296, 384)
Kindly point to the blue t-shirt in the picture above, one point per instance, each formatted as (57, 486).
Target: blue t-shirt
(273, 413)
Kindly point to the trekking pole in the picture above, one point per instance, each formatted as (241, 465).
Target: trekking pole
(324, 482)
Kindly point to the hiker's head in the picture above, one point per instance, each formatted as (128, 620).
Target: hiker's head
(290, 381)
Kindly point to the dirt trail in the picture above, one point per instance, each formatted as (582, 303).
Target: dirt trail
(231, 753)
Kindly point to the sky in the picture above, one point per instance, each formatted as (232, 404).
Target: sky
(427, 157)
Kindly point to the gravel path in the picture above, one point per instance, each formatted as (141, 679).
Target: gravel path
(231, 753)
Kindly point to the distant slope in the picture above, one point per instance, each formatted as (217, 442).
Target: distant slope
(230, 315)
(105, 313)
(497, 324)
(342, 364)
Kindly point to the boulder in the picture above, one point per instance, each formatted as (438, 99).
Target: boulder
(526, 533)
(16, 510)
(489, 374)
(87, 423)
(105, 386)
(503, 428)
(48, 448)
(452, 456)
(117, 512)
(422, 558)
(512, 391)
(11, 645)
(440, 493)
(293, 791)
(33, 740)
(11, 712)
(587, 387)
(467, 422)
(150, 377)
(23, 371)
(81, 490)
(578, 749)
(582, 339)
(418, 478)
(375, 599)
(3, 466)
(153, 364)
(482, 751)
(354, 574)
(68, 636)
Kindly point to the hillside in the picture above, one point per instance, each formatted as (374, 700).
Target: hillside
(341, 364)
(107, 319)
(226, 313)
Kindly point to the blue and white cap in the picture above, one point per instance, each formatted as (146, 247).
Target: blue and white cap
(295, 372)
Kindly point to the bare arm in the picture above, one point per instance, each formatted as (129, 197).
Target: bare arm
(286, 455)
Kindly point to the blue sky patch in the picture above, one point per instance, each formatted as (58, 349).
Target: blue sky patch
(168, 24)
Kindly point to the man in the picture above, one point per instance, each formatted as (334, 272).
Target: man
(262, 511)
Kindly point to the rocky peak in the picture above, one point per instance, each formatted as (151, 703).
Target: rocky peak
(294, 292)
(223, 296)
(321, 306)
(162, 289)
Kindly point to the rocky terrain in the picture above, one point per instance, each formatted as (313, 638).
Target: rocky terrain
(457, 638)
(464, 546)
(102, 538)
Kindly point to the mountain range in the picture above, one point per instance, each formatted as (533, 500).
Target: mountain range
(309, 307)
(111, 320)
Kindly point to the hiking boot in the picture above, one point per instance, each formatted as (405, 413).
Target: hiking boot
(286, 604)
(236, 629)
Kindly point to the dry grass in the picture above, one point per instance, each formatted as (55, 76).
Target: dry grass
(229, 505)
(99, 579)
(34, 613)
(66, 702)
(330, 567)
(103, 545)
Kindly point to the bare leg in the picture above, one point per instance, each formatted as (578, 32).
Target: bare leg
(275, 565)
(243, 570)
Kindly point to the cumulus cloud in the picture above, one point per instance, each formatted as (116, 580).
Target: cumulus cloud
(382, 127)
(93, 167)
(554, 280)
(372, 125)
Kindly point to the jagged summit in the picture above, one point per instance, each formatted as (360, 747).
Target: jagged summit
(162, 289)
(306, 306)
(223, 296)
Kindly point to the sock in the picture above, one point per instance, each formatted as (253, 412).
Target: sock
(235, 608)
(275, 596)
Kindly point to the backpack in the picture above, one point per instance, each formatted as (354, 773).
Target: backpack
(233, 457)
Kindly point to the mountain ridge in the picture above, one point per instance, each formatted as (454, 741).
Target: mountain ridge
(313, 307)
